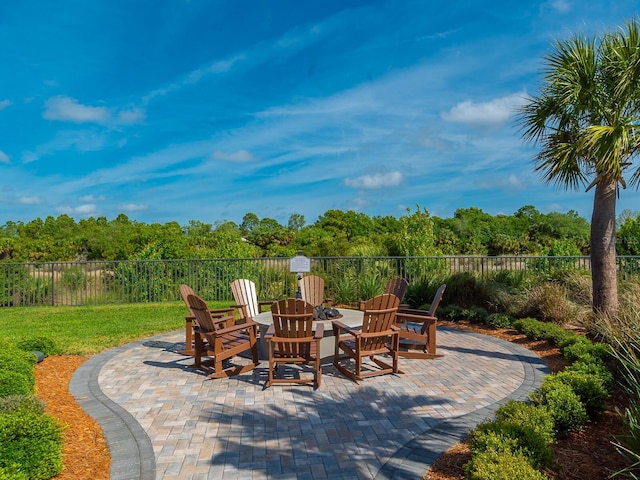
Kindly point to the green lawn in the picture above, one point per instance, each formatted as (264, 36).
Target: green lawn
(91, 329)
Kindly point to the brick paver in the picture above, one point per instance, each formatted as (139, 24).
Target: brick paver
(384, 427)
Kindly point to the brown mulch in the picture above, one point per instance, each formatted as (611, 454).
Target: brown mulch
(584, 455)
(85, 451)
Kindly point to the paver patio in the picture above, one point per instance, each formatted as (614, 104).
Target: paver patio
(165, 421)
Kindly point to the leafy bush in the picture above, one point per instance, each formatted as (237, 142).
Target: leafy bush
(586, 351)
(39, 344)
(590, 389)
(563, 403)
(33, 442)
(493, 465)
(476, 314)
(467, 290)
(451, 313)
(592, 368)
(12, 473)
(14, 383)
(529, 415)
(500, 320)
(16, 360)
(27, 403)
(535, 329)
(519, 428)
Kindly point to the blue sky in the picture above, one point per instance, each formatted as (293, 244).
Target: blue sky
(172, 110)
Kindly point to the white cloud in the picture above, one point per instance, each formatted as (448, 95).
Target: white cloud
(379, 180)
(92, 199)
(132, 207)
(558, 6)
(4, 104)
(85, 210)
(28, 200)
(4, 158)
(69, 110)
(128, 117)
(238, 156)
(491, 114)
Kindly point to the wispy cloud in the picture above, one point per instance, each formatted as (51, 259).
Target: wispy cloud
(4, 158)
(379, 180)
(34, 200)
(237, 156)
(92, 199)
(132, 207)
(85, 210)
(485, 115)
(67, 109)
(4, 104)
(79, 140)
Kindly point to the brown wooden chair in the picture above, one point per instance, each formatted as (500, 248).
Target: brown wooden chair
(396, 286)
(291, 340)
(246, 298)
(418, 329)
(379, 336)
(185, 291)
(312, 290)
(224, 340)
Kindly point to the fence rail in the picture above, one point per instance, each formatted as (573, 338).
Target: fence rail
(135, 281)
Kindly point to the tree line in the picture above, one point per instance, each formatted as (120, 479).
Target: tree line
(470, 231)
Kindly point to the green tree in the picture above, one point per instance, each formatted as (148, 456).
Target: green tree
(585, 118)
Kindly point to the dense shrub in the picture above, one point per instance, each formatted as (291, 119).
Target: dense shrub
(12, 473)
(500, 320)
(528, 414)
(493, 465)
(26, 403)
(590, 389)
(16, 360)
(39, 344)
(586, 351)
(31, 441)
(14, 383)
(451, 313)
(517, 432)
(592, 368)
(535, 329)
(563, 403)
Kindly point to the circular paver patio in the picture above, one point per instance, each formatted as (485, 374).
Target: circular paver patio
(165, 421)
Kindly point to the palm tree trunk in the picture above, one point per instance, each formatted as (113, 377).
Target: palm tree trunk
(603, 249)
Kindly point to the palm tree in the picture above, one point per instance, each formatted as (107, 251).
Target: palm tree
(586, 119)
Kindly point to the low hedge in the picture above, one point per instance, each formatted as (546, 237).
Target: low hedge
(491, 465)
(14, 383)
(31, 443)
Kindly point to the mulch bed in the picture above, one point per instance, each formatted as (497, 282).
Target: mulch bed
(584, 455)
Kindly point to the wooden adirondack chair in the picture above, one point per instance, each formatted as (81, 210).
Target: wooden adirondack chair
(224, 340)
(312, 290)
(291, 340)
(185, 291)
(418, 329)
(379, 336)
(396, 286)
(246, 298)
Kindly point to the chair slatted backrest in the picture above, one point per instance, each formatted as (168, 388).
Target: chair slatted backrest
(244, 294)
(185, 291)
(203, 316)
(379, 314)
(398, 287)
(312, 289)
(434, 305)
(293, 318)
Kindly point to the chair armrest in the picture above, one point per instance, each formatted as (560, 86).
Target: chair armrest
(270, 332)
(319, 333)
(361, 305)
(220, 311)
(264, 303)
(235, 328)
(189, 317)
(338, 325)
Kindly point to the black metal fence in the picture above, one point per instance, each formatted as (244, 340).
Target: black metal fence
(84, 283)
